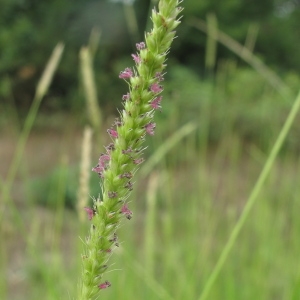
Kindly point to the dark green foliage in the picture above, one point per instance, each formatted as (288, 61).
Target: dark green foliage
(30, 30)
(44, 188)
(278, 40)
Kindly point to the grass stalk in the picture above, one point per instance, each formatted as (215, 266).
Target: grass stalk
(153, 284)
(252, 198)
(41, 90)
(211, 43)
(3, 267)
(60, 196)
(251, 38)
(150, 222)
(271, 77)
(94, 41)
(90, 90)
(166, 146)
(84, 178)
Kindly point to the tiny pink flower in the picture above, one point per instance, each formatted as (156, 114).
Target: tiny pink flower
(140, 46)
(129, 150)
(136, 58)
(150, 128)
(138, 161)
(114, 238)
(103, 158)
(112, 133)
(129, 185)
(98, 169)
(126, 211)
(90, 212)
(156, 88)
(126, 97)
(159, 76)
(104, 285)
(155, 103)
(117, 122)
(110, 147)
(126, 74)
(127, 175)
(101, 164)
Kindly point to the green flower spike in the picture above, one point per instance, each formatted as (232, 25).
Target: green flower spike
(119, 163)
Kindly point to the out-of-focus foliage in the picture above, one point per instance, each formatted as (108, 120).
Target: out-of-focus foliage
(279, 34)
(29, 30)
(238, 102)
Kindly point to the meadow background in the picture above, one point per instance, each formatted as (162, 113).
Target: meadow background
(232, 78)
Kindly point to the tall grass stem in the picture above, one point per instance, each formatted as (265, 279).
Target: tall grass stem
(150, 222)
(41, 90)
(211, 43)
(251, 38)
(85, 166)
(252, 198)
(165, 147)
(90, 90)
(154, 285)
(94, 41)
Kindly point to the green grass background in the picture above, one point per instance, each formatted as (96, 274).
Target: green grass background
(212, 140)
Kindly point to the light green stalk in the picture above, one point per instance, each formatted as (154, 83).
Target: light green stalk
(252, 198)
(118, 165)
(40, 92)
(82, 197)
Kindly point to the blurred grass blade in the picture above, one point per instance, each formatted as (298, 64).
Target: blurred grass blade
(59, 194)
(48, 73)
(85, 171)
(252, 198)
(274, 80)
(166, 147)
(251, 38)
(41, 90)
(150, 228)
(131, 20)
(153, 284)
(90, 88)
(94, 41)
(211, 43)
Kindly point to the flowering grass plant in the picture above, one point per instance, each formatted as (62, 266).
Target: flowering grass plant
(122, 157)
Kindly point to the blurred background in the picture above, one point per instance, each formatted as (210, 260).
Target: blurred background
(232, 77)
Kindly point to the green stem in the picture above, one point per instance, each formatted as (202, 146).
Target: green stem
(41, 90)
(252, 198)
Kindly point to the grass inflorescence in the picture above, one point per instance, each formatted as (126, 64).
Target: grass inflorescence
(118, 164)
